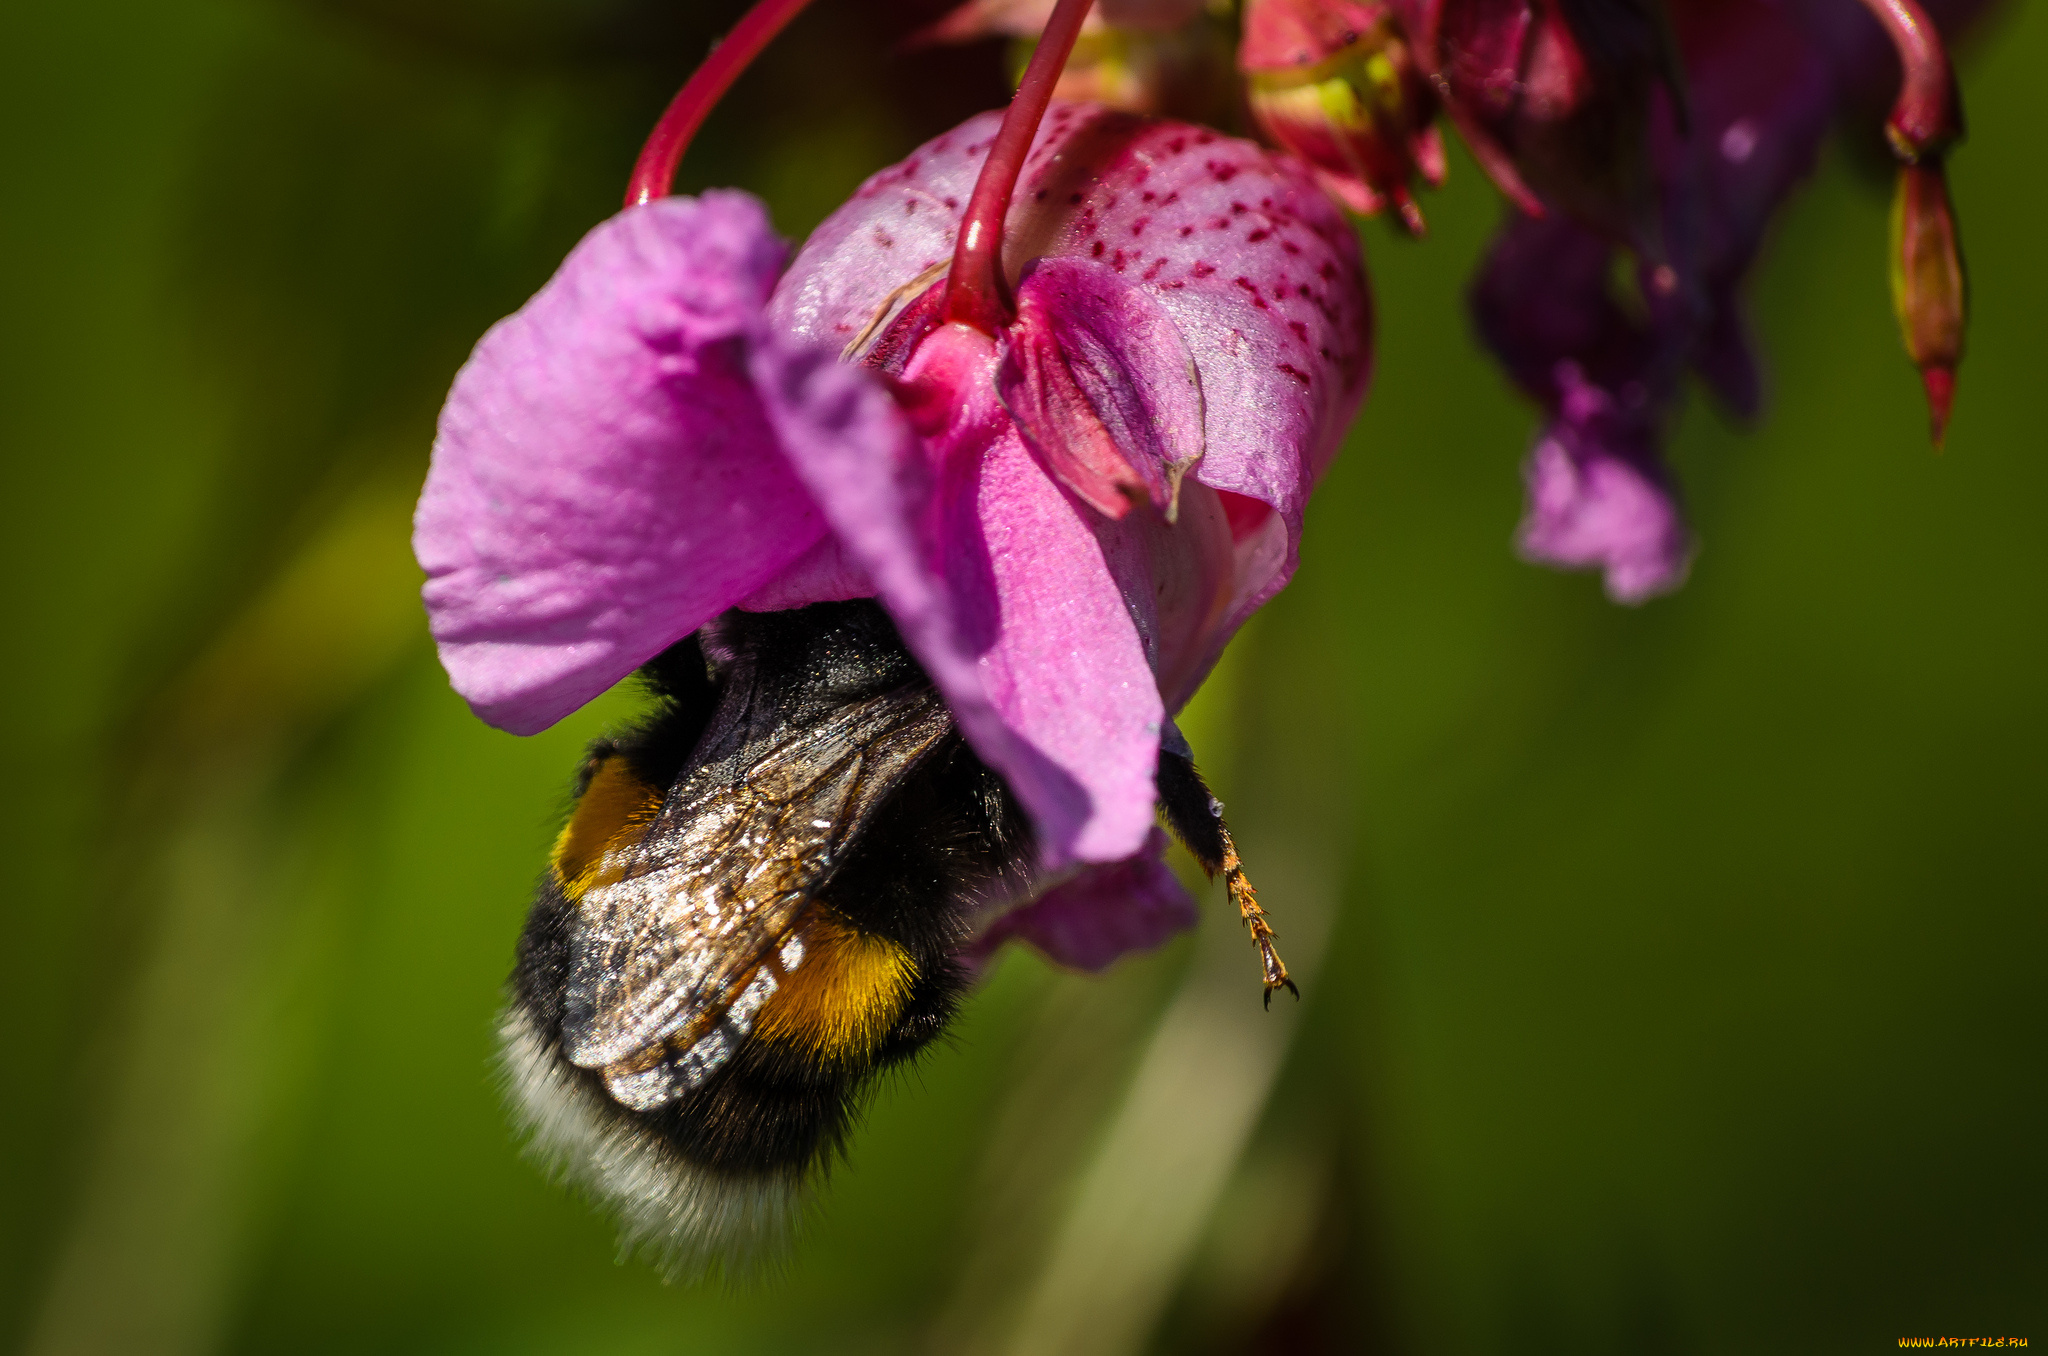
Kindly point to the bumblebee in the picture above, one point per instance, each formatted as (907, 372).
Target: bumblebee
(758, 903)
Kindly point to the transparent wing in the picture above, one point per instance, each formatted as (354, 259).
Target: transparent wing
(685, 934)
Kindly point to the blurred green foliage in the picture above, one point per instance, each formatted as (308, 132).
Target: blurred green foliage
(1673, 971)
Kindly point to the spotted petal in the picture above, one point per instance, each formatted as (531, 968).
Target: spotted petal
(1257, 270)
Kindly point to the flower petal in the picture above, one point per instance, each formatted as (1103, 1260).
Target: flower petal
(1180, 581)
(1259, 273)
(1060, 425)
(604, 479)
(1061, 657)
(995, 577)
(827, 573)
(1599, 496)
(1097, 377)
(1104, 913)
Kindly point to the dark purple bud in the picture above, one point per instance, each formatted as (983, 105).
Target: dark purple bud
(1554, 97)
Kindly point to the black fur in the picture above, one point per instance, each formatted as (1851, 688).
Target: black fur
(1191, 811)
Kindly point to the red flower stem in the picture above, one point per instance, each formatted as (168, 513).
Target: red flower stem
(976, 293)
(1928, 115)
(654, 173)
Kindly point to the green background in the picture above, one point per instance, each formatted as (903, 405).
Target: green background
(1674, 974)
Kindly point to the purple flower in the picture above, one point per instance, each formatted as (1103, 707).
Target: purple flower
(1067, 518)
(1600, 498)
(1603, 329)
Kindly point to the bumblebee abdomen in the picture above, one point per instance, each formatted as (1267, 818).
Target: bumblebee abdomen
(841, 1003)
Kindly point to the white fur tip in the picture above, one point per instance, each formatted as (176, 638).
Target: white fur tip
(688, 1220)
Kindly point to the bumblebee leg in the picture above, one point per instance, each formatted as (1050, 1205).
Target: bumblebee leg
(1247, 900)
(1196, 818)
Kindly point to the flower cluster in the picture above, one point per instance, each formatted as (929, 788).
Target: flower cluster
(1056, 388)
(1645, 146)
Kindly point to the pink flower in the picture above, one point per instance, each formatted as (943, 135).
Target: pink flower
(1067, 517)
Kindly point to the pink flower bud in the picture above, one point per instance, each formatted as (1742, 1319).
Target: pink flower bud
(1337, 83)
(1929, 290)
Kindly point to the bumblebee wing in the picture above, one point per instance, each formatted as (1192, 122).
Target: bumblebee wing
(678, 944)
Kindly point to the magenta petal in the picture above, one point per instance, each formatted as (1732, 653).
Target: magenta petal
(827, 573)
(1064, 663)
(604, 479)
(1179, 581)
(1101, 383)
(1600, 498)
(995, 578)
(1259, 271)
(1104, 913)
(1060, 424)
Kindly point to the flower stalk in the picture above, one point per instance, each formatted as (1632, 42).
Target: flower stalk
(654, 173)
(976, 293)
(1928, 115)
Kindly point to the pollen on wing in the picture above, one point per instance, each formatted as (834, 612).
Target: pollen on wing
(615, 810)
(845, 996)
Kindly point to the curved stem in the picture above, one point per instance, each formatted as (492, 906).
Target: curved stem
(976, 293)
(1928, 115)
(654, 173)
